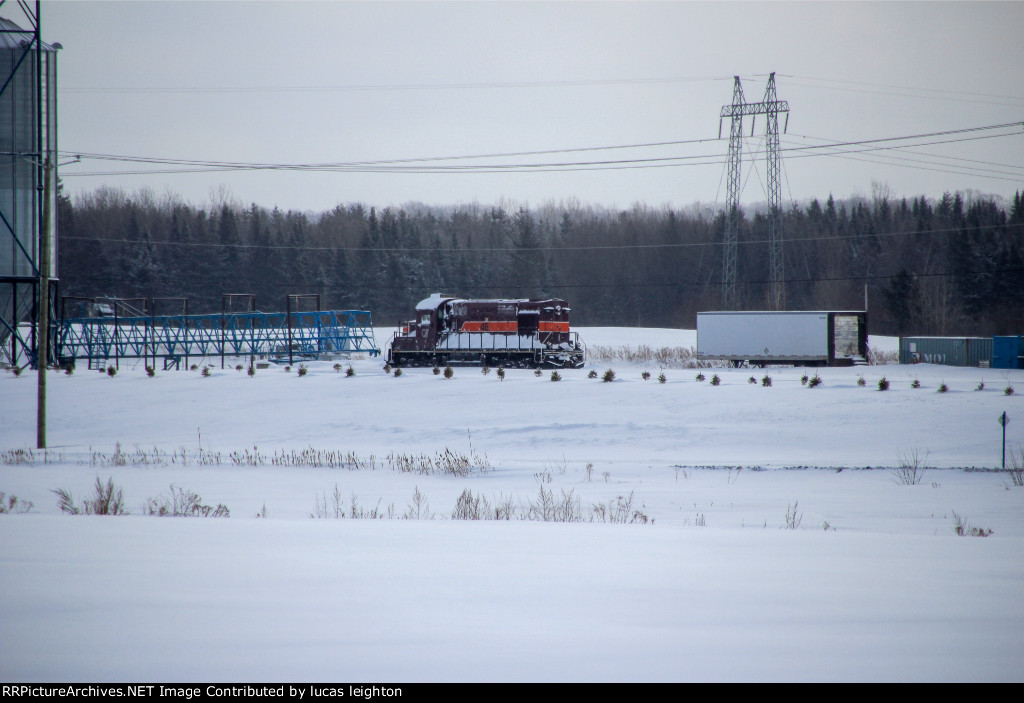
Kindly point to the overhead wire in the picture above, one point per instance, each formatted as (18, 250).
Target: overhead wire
(908, 91)
(507, 285)
(421, 165)
(546, 248)
(356, 87)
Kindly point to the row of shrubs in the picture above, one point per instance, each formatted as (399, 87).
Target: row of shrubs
(546, 507)
(883, 384)
(442, 463)
(108, 499)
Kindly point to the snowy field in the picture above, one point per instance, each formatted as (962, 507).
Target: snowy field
(768, 535)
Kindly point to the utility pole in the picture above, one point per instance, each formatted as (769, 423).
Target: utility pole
(43, 336)
(44, 164)
(770, 106)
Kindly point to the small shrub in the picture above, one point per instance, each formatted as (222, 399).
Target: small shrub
(861, 382)
(69, 369)
(194, 367)
(350, 372)
(419, 509)
(537, 372)
(646, 375)
(16, 370)
(962, 528)
(915, 383)
(206, 370)
(883, 384)
(619, 511)
(752, 381)
(608, 376)
(182, 503)
(910, 467)
(793, 518)
(555, 376)
(239, 367)
(700, 378)
(943, 388)
(469, 508)
(715, 380)
(980, 386)
(387, 368)
(803, 380)
(107, 499)
(437, 370)
(662, 378)
(500, 373)
(150, 371)
(485, 370)
(1008, 390)
(766, 381)
(449, 372)
(337, 367)
(398, 372)
(263, 512)
(111, 371)
(547, 508)
(815, 381)
(252, 370)
(1016, 469)
(12, 505)
(592, 374)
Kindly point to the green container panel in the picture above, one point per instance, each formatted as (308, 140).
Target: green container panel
(949, 351)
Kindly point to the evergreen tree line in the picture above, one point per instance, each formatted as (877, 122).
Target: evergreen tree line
(949, 267)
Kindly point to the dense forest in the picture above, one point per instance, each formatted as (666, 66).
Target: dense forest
(954, 266)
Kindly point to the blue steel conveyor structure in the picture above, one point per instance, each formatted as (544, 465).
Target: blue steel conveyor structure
(281, 337)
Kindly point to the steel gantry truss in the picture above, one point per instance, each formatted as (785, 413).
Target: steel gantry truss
(276, 336)
(770, 106)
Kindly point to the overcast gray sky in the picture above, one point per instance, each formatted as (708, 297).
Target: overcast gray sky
(298, 83)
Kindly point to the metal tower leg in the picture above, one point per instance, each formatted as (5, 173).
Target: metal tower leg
(732, 218)
(776, 262)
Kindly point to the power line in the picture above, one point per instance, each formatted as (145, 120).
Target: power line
(368, 87)
(420, 165)
(624, 284)
(931, 156)
(936, 166)
(838, 84)
(940, 93)
(475, 250)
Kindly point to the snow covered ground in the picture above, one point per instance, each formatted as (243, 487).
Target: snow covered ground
(872, 583)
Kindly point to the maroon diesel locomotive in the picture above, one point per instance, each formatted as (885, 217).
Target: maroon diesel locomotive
(500, 332)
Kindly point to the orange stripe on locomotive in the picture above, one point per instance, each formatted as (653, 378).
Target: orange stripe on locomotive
(554, 326)
(487, 326)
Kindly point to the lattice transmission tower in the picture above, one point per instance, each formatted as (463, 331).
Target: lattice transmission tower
(770, 106)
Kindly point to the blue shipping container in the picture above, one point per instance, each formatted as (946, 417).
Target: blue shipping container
(1008, 352)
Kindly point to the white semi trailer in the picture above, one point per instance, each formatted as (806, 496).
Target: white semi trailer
(818, 338)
